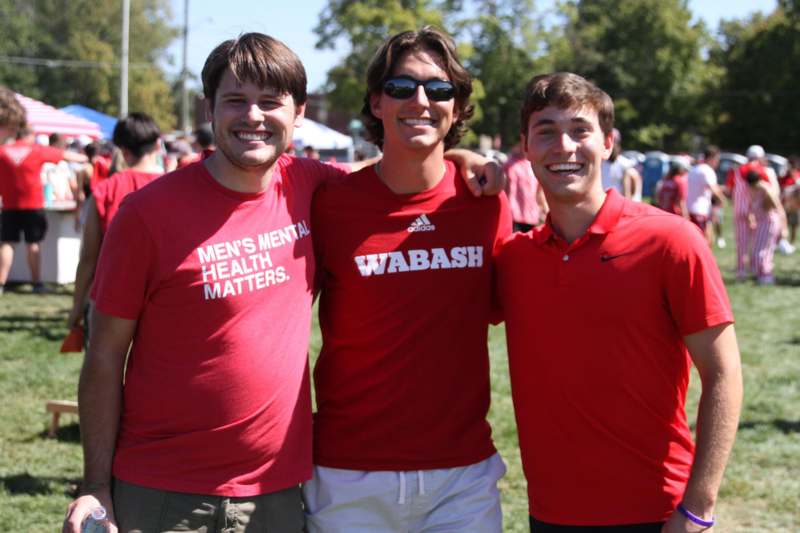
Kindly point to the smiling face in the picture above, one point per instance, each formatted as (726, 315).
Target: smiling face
(415, 123)
(566, 148)
(252, 125)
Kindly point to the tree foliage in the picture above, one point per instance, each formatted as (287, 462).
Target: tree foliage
(505, 49)
(88, 30)
(647, 55)
(675, 85)
(365, 24)
(760, 97)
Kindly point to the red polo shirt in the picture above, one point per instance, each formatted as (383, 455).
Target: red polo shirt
(599, 369)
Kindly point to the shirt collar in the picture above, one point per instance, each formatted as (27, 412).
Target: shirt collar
(605, 221)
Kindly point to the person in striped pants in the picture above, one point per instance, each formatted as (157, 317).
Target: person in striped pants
(743, 226)
(768, 225)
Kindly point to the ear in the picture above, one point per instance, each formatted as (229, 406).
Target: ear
(375, 104)
(608, 144)
(299, 115)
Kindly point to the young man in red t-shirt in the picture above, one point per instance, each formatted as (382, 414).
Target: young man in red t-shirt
(405, 254)
(23, 200)
(138, 137)
(632, 296)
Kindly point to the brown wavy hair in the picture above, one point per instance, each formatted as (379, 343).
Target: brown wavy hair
(382, 66)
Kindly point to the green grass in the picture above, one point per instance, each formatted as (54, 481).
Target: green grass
(38, 475)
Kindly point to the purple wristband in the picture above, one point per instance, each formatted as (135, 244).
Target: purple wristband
(694, 518)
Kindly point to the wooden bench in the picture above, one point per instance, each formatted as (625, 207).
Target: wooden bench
(57, 407)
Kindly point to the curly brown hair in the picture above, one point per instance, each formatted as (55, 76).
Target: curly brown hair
(382, 65)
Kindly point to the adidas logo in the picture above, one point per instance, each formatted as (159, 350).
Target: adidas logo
(421, 224)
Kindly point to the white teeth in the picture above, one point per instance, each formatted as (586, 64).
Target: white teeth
(247, 136)
(417, 121)
(564, 167)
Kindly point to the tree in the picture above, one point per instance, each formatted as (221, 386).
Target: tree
(759, 96)
(505, 41)
(88, 31)
(647, 55)
(365, 25)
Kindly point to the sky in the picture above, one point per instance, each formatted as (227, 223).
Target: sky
(213, 21)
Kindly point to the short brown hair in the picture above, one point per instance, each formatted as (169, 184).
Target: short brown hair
(259, 58)
(12, 113)
(710, 152)
(380, 69)
(566, 90)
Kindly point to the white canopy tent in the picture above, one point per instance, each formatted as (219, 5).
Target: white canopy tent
(321, 137)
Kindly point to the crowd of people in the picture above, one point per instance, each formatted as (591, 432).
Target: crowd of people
(194, 395)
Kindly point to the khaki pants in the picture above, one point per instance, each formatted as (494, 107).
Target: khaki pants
(144, 510)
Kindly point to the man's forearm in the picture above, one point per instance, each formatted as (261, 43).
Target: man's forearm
(99, 401)
(717, 422)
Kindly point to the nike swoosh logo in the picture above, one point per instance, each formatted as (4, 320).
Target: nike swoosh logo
(605, 257)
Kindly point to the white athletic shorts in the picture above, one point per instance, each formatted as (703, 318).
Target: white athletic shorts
(463, 499)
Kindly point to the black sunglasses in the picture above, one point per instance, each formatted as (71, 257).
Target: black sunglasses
(404, 87)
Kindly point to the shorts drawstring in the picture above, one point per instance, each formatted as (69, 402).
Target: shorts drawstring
(401, 498)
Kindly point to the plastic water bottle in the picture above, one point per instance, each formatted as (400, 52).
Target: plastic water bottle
(95, 522)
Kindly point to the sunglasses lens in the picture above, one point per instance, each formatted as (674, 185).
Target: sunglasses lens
(439, 90)
(401, 88)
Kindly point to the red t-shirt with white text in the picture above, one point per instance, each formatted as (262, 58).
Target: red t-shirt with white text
(216, 394)
(20, 174)
(402, 380)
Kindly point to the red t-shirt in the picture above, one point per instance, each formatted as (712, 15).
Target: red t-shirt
(216, 394)
(791, 178)
(672, 193)
(101, 168)
(20, 174)
(108, 194)
(402, 380)
(598, 366)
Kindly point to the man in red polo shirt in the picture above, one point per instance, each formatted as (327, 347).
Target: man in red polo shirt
(599, 373)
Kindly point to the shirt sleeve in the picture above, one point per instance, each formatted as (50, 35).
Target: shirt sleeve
(504, 227)
(125, 270)
(694, 290)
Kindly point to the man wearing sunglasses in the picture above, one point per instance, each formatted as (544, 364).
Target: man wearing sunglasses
(404, 255)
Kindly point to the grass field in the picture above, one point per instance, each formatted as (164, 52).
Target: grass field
(761, 491)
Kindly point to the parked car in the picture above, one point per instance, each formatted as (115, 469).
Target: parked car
(727, 161)
(778, 163)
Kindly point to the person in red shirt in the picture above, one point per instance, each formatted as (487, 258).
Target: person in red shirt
(632, 296)
(743, 224)
(525, 197)
(404, 251)
(671, 191)
(137, 135)
(23, 200)
(790, 182)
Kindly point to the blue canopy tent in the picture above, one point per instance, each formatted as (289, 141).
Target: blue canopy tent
(105, 122)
